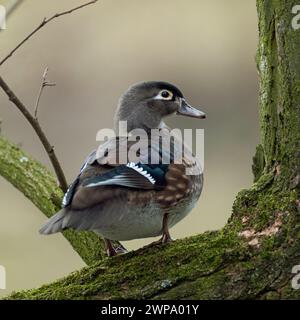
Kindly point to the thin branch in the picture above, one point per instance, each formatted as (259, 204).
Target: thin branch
(44, 84)
(42, 24)
(37, 128)
(25, 111)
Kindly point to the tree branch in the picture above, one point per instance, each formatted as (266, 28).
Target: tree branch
(214, 265)
(37, 128)
(44, 84)
(39, 186)
(25, 111)
(41, 25)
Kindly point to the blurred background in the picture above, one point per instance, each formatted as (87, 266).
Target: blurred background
(205, 47)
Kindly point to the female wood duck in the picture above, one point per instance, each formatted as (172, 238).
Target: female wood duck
(131, 200)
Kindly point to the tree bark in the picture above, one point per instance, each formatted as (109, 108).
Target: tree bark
(253, 255)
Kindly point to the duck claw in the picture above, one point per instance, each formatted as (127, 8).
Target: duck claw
(120, 249)
(111, 250)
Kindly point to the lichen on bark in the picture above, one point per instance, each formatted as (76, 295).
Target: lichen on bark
(279, 68)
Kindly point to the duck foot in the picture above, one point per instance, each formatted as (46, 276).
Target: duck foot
(166, 238)
(111, 250)
(120, 249)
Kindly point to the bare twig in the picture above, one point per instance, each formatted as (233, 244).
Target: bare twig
(42, 24)
(32, 119)
(36, 126)
(44, 84)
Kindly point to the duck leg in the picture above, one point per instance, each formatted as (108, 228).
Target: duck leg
(109, 248)
(166, 238)
(166, 234)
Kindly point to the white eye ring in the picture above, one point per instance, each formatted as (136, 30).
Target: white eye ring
(164, 95)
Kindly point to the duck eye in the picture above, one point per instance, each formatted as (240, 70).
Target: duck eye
(166, 94)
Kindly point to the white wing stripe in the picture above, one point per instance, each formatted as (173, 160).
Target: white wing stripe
(135, 167)
(123, 179)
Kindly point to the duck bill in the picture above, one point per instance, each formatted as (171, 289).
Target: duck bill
(189, 111)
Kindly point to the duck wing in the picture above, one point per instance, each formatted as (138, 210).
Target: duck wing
(102, 172)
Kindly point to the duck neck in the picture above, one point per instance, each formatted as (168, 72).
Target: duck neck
(128, 125)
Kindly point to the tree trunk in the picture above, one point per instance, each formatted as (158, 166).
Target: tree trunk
(253, 255)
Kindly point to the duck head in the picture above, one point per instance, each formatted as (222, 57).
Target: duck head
(145, 104)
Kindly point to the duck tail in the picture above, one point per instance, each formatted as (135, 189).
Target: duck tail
(54, 224)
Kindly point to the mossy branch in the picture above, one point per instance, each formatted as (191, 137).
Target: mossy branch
(233, 263)
(258, 163)
(40, 187)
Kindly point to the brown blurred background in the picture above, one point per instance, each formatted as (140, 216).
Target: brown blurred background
(205, 47)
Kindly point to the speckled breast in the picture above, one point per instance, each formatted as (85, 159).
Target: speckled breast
(181, 193)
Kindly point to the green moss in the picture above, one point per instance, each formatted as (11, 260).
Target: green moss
(258, 163)
(213, 265)
(129, 276)
(278, 64)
